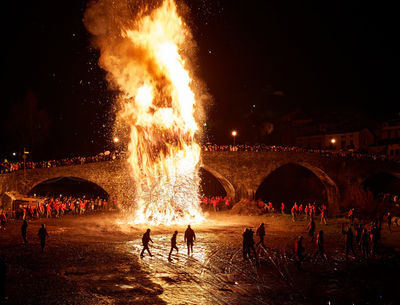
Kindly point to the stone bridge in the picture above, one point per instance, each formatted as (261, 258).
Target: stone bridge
(240, 173)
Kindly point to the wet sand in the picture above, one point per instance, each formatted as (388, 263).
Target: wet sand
(90, 259)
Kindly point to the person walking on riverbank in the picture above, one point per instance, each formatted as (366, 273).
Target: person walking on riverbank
(3, 277)
(389, 222)
(248, 244)
(42, 236)
(299, 251)
(260, 232)
(320, 245)
(348, 240)
(145, 241)
(189, 238)
(24, 227)
(173, 244)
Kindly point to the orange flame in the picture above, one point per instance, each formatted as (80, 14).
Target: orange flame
(158, 106)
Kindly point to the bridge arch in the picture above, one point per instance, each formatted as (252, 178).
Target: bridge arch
(228, 187)
(68, 185)
(382, 182)
(332, 193)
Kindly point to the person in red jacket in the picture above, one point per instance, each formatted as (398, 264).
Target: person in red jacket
(3, 220)
(282, 208)
(350, 214)
(48, 211)
(323, 215)
(293, 212)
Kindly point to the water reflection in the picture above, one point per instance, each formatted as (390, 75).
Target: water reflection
(201, 278)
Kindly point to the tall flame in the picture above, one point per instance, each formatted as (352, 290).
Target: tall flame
(157, 103)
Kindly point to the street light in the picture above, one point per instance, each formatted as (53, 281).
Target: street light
(24, 156)
(234, 134)
(333, 141)
(116, 140)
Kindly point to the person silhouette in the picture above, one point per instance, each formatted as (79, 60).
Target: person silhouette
(3, 277)
(190, 236)
(299, 251)
(320, 245)
(145, 241)
(23, 230)
(261, 234)
(173, 244)
(42, 236)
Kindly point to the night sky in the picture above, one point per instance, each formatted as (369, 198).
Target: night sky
(256, 57)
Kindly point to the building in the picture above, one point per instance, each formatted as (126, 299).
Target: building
(388, 142)
(390, 130)
(356, 140)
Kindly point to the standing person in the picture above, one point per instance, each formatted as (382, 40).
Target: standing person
(189, 238)
(42, 236)
(48, 210)
(320, 245)
(310, 210)
(306, 211)
(23, 230)
(300, 209)
(173, 244)
(246, 251)
(248, 244)
(374, 237)
(311, 228)
(389, 221)
(283, 208)
(293, 212)
(260, 232)
(3, 277)
(359, 230)
(299, 251)
(350, 214)
(348, 240)
(23, 212)
(364, 243)
(323, 214)
(313, 210)
(145, 241)
(3, 219)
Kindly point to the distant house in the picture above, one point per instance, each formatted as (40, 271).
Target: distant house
(357, 140)
(388, 141)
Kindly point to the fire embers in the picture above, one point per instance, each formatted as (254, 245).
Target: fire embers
(144, 61)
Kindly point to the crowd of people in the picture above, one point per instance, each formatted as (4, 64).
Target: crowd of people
(59, 206)
(278, 148)
(7, 166)
(306, 211)
(216, 203)
(363, 243)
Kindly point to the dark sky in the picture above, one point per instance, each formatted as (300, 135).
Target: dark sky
(268, 57)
